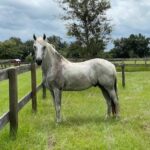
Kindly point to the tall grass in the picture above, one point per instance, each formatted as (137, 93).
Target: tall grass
(84, 125)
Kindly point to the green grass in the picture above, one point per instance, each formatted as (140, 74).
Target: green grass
(134, 68)
(141, 66)
(83, 126)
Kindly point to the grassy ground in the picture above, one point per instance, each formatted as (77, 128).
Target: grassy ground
(134, 68)
(83, 125)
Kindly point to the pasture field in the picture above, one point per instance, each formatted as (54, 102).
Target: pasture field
(84, 126)
(134, 68)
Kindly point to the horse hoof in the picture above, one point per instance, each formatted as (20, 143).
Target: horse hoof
(107, 117)
(58, 120)
(116, 117)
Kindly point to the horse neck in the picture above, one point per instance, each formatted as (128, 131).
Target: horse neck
(50, 61)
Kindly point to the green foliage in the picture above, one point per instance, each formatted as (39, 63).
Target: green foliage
(57, 42)
(29, 59)
(15, 48)
(60, 45)
(133, 46)
(27, 49)
(75, 51)
(11, 48)
(88, 24)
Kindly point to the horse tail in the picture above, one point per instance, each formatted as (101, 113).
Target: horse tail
(115, 87)
(115, 106)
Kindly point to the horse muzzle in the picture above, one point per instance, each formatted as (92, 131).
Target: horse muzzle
(39, 61)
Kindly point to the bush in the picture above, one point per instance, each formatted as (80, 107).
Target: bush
(29, 59)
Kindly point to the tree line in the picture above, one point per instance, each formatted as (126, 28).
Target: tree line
(134, 46)
(131, 47)
(14, 48)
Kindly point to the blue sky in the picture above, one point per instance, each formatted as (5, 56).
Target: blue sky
(22, 18)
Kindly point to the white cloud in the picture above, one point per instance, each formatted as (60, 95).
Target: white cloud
(22, 18)
(130, 16)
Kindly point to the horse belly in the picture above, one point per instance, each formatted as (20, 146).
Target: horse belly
(77, 83)
(78, 76)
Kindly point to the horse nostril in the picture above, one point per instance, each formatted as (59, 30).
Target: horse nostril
(39, 61)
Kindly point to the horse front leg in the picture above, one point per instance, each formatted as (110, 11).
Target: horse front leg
(57, 103)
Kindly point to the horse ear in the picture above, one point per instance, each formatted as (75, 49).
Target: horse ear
(44, 37)
(34, 37)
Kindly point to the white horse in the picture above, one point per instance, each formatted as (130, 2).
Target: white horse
(59, 75)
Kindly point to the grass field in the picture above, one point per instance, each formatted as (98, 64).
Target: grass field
(134, 68)
(83, 126)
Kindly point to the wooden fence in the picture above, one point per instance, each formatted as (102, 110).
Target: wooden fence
(14, 106)
(130, 60)
(5, 63)
(9, 62)
(119, 60)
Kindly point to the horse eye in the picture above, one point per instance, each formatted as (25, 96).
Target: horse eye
(34, 47)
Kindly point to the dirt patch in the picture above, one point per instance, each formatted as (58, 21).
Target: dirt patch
(146, 127)
(51, 142)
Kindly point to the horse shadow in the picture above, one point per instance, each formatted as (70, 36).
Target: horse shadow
(85, 120)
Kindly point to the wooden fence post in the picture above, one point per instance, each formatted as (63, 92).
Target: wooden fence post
(123, 74)
(33, 85)
(145, 61)
(135, 61)
(13, 101)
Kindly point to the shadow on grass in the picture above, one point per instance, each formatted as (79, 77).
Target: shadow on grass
(82, 120)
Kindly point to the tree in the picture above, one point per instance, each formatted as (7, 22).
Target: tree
(27, 49)
(75, 50)
(15, 48)
(56, 41)
(133, 46)
(89, 23)
(60, 45)
(11, 48)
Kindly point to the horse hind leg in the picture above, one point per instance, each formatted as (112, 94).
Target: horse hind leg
(108, 101)
(114, 102)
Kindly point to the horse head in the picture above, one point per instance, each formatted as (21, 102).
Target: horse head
(39, 48)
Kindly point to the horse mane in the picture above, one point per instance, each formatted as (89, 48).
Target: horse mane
(51, 48)
(54, 51)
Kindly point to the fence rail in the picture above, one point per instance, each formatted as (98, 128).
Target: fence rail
(19, 69)
(15, 106)
(115, 59)
(129, 59)
(4, 120)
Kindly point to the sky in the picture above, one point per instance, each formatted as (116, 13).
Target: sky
(22, 18)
